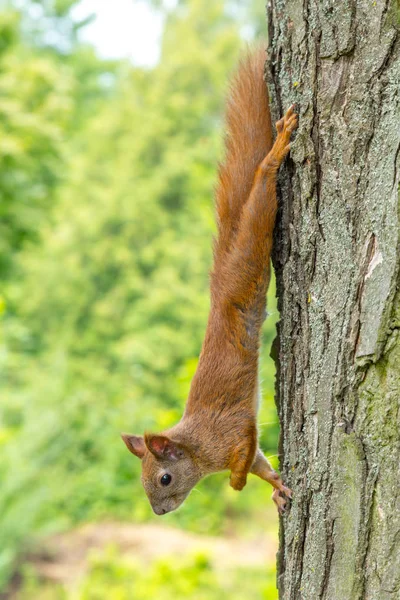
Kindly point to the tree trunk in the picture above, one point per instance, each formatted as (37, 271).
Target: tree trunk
(337, 258)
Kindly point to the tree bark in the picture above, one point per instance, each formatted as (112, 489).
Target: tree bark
(337, 259)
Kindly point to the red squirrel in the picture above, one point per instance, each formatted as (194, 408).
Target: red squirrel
(218, 430)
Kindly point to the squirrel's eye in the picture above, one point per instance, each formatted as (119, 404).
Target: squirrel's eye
(166, 479)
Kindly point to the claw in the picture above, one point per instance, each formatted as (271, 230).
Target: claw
(289, 112)
(280, 501)
(280, 496)
(287, 491)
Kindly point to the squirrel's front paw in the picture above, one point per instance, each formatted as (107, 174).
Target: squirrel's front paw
(237, 481)
(280, 497)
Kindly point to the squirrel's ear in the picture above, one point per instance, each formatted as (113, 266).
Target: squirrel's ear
(163, 447)
(135, 444)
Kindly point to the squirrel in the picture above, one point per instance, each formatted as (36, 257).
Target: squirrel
(218, 430)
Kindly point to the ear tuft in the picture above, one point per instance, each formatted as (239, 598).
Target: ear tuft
(135, 444)
(163, 447)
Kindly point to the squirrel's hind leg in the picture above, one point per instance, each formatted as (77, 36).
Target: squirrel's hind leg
(263, 469)
(245, 272)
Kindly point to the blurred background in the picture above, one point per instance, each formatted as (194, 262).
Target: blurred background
(110, 135)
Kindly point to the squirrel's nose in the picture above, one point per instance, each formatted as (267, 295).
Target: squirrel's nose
(160, 511)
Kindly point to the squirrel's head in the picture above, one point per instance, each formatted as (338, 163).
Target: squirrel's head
(168, 470)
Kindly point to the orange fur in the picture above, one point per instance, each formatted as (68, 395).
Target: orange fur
(218, 430)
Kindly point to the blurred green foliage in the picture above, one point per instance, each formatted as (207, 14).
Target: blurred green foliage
(106, 220)
(193, 577)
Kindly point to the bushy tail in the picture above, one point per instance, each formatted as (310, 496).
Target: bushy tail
(248, 140)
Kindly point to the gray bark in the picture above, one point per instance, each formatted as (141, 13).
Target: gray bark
(337, 258)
